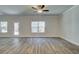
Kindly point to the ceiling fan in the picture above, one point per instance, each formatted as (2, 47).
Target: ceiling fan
(40, 8)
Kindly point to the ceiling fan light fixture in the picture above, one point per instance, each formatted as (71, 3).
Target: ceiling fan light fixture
(40, 8)
(39, 11)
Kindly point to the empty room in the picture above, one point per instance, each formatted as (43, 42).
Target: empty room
(39, 29)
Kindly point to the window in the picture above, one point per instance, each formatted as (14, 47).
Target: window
(38, 26)
(16, 28)
(3, 26)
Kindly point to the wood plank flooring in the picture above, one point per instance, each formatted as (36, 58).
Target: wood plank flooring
(37, 46)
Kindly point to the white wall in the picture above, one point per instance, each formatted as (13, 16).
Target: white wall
(70, 25)
(52, 28)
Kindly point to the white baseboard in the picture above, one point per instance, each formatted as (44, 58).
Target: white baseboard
(73, 42)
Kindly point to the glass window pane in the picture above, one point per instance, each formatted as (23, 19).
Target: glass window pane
(34, 29)
(38, 26)
(3, 27)
(41, 26)
(16, 28)
(34, 26)
(41, 29)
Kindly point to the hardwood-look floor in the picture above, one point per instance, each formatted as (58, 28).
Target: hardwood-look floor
(37, 46)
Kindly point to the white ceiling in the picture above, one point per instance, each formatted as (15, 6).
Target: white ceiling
(27, 9)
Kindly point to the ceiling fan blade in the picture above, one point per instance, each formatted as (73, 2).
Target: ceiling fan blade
(34, 8)
(42, 6)
(46, 10)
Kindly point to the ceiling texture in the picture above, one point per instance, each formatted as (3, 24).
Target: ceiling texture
(27, 9)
